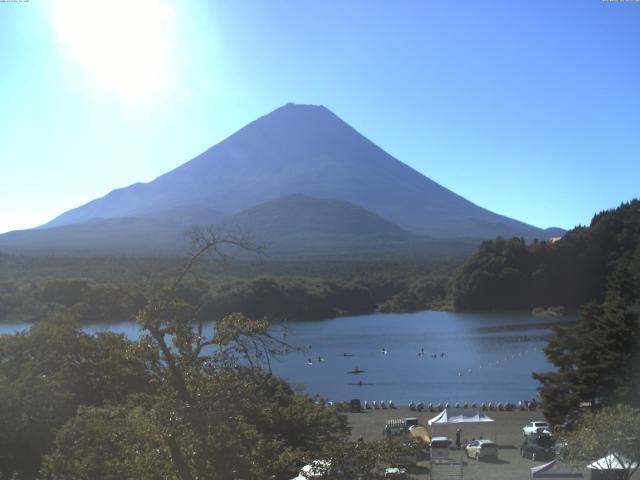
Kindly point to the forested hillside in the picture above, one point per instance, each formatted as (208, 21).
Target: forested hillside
(595, 268)
(507, 274)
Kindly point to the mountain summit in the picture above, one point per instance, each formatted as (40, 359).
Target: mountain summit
(303, 149)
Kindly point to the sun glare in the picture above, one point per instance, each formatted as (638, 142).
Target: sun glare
(125, 47)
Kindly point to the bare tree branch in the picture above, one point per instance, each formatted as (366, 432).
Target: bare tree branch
(205, 240)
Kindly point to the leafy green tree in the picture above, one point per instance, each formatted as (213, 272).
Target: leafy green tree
(613, 434)
(596, 358)
(47, 373)
(111, 443)
(215, 410)
(346, 460)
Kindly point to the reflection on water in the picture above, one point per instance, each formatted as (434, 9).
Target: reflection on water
(425, 356)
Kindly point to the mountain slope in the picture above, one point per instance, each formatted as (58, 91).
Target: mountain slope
(301, 215)
(157, 233)
(306, 149)
(293, 226)
(301, 225)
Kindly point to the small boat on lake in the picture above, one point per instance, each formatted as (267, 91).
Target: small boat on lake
(356, 371)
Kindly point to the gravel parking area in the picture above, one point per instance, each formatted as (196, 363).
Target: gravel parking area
(507, 433)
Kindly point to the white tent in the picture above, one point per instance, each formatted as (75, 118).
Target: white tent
(456, 416)
(554, 469)
(460, 415)
(612, 462)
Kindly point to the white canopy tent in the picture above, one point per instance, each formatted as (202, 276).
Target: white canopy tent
(612, 462)
(456, 416)
(556, 470)
(460, 415)
(613, 466)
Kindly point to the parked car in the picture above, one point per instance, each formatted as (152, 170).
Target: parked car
(480, 449)
(395, 427)
(538, 444)
(536, 427)
(439, 448)
(410, 422)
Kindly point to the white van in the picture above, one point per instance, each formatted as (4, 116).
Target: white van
(440, 448)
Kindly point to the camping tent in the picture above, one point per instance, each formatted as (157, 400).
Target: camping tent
(451, 416)
(611, 467)
(460, 415)
(554, 469)
(612, 462)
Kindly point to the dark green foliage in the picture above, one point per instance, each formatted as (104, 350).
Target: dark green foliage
(296, 298)
(100, 406)
(614, 433)
(598, 358)
(213, 415)
(507, 274)
(108, 289)
(47, 373)
(427, 292)
(106, 443)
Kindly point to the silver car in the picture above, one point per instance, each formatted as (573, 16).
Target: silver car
(480, 449)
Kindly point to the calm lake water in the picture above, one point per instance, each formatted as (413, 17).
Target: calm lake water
(479, 358)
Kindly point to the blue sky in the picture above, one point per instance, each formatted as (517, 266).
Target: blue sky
(530, 108)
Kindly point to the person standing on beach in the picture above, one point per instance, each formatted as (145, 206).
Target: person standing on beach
(458, 435)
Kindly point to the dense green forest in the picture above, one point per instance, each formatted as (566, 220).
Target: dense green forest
(106, 289)
(594, 269)
(508, 274)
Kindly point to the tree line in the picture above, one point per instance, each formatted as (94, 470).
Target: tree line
(108, 292)
(508, 274)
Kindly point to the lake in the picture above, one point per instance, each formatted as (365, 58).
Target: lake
(478, 357)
